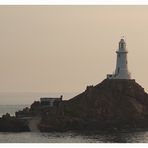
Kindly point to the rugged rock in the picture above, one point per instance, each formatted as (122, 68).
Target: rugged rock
(111, 104)
(111, 100)
(12, 124)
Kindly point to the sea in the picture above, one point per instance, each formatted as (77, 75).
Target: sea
(137, 136)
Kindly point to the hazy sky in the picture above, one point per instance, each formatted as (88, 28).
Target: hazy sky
(66, 48)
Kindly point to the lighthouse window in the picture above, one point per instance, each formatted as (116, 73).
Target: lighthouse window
(119, 55)
(126, 62)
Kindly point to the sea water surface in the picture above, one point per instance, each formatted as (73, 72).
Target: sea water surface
(68, 137)
(73, 137)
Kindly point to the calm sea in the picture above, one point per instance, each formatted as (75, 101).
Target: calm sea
(68, 137)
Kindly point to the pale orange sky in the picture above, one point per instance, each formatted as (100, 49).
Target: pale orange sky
(66, 48)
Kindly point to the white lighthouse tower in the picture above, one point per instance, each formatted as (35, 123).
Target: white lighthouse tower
(121, 71)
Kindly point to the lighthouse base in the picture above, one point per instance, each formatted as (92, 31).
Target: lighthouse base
(119, 76)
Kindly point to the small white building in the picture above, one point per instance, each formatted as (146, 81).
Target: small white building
(121, 71)
(50, 102)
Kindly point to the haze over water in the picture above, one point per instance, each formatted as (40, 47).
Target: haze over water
(27, 98)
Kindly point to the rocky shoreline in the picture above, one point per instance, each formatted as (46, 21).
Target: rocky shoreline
(12, 124)
(111, 105)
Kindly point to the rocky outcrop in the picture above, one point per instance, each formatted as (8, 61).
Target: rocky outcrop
(12, 124)
(110, 104)
(110, 100)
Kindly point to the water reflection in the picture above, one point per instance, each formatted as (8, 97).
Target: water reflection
(118, 137)
(97, 137)
(76, 137)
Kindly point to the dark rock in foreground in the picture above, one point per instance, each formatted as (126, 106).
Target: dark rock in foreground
(12, 124)
(112, 104)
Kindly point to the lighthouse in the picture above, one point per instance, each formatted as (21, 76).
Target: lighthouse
(121, 71)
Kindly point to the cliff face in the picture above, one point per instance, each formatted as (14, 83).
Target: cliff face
(111, 100)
